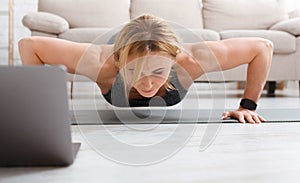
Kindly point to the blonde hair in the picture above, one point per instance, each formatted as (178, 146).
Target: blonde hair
(142, 35)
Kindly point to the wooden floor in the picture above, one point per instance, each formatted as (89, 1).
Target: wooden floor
(239, 153)
(265, 153)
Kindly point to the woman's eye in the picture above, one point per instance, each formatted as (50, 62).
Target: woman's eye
(158, 72)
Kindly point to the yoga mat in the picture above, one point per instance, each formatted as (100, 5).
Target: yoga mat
(171, 116)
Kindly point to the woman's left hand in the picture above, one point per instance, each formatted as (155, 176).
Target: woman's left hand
(244, 115)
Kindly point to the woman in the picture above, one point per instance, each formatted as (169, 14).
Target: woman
(147, 62)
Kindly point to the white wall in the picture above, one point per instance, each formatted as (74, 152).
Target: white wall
(21, 8)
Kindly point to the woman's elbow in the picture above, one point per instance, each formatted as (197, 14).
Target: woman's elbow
(27, 51)
(266, 45)
(25, 42)
(265, 48)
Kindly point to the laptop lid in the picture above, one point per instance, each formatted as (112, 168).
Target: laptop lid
(34, 124)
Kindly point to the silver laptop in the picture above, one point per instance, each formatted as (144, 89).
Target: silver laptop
(34, 123)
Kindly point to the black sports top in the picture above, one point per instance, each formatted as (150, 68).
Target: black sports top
(116, 95)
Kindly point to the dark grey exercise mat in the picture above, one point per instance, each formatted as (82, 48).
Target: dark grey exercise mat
(172, 116)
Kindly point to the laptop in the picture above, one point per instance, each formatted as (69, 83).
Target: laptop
(34, 121)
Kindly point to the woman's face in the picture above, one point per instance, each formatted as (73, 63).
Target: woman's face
(155, 69)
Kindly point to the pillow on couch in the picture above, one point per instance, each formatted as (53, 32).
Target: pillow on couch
(291, 26)
(242, 14)
(45, 22)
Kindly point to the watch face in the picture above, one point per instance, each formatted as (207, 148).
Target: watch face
(248, 104)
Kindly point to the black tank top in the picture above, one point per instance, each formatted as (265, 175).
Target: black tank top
(117, 97)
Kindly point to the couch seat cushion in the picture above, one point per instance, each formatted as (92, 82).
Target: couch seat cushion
(106, 35)
(196, 35)
(43, 34)
(89, 35)
(283, 42)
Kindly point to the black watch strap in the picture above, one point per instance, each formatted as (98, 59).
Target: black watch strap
(248, 104)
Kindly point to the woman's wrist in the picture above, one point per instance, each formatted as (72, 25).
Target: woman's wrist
(248, 104)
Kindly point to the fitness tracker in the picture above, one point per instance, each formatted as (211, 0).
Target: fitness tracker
(248, 104)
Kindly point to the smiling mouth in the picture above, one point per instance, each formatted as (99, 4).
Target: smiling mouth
(147, 91)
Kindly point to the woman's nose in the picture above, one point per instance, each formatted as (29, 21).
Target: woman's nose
(147, 81)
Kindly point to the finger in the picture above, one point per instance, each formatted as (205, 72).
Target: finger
(249, 118)
(225, 115)
(256, 119)
(262, 119)
(241, 118)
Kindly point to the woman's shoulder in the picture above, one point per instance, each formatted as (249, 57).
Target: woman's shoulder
(187, 66)
(107, 69)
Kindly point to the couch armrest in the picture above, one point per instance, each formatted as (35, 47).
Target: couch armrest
(45, 22)
(291, 26)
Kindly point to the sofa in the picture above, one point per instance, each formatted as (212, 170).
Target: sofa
(97, 21)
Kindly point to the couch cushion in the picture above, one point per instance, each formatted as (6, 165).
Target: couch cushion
(297, 67)
(186, 13)
(45, 22)
(88, 13)
(283, 42)
(107, 36)
(43, 34)
(196, 35)
(242, 14)
(291, 26)
(89, 35)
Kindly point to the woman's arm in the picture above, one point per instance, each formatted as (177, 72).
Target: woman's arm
(227, 54)
(80, 58)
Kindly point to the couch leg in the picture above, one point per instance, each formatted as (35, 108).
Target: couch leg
(271, 86)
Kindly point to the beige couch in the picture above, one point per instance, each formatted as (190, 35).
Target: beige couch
(97, 20)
